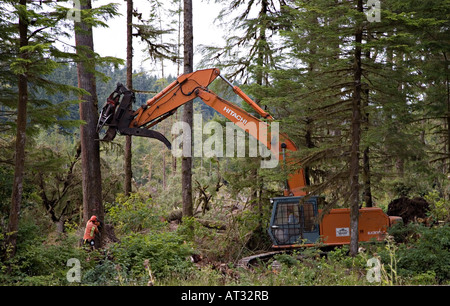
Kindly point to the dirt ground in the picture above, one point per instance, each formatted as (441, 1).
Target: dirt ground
(409, 209)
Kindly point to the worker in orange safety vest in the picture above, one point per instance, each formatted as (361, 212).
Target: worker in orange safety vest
(92, 228)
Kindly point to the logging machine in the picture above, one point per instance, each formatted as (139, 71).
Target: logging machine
(294, 221)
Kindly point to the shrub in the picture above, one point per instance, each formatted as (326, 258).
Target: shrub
(304, 267)
(133, 213)
(425, 253)
(164, 252)
(440, 208)
(40, 259)
(105, 273)
(39, 263)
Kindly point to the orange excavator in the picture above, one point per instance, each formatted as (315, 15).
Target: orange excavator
(294, 221)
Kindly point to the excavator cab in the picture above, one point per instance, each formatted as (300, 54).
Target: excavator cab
(294, 221)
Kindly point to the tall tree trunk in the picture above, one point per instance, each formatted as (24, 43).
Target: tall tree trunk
(186, 161)
(174, 158)
(262, 43)
(366, 175)
(90, 150)
(366, 155)
(447, 83)
(260, 77)
(16, 197)
(128, 142)
(356, 135)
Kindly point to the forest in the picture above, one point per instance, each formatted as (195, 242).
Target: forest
(360, 87)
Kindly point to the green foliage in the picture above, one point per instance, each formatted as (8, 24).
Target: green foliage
(104, 273)
(439, 206)
(6, 175)
(202, 238)
(306, 83)
(307, 267)
(425, 252)
(38, 58)
(243, 233)
(145, 242)
(165, 252)
(133, 214)
(41, 258)
(418, 255)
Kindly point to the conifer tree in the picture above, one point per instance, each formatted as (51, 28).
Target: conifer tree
(188, 109)
(87, 60)
(30, 56)
(250, 52)
(426, 51)
(90, 148)
(128, 140)
(338, 74)
(13, 224)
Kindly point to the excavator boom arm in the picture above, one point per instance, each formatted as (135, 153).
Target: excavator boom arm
(179, 92)
(195, 84)
(260, 130)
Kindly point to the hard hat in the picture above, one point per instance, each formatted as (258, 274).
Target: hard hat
(93, 218)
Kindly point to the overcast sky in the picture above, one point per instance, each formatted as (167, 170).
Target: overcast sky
(112, 41)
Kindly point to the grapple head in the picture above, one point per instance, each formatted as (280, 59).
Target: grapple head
(117, 114)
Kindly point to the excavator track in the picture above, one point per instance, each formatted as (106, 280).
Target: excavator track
(248, 261)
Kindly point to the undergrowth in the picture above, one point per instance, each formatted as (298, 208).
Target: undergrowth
(151, 252)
